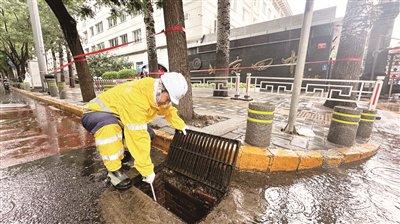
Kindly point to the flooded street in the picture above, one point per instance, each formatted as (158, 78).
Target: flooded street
(30, 130)
(367, 192)
(44, 180)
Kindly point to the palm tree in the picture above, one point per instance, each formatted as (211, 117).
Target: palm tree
(356, 23)
(222, 53)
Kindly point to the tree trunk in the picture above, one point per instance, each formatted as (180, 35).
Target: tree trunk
(356, 23)
(53, 55)
(177, 52)
(222, 53)
(151, 39)
(379, 40)
(68, 26)
(61, 60)
(70, 71)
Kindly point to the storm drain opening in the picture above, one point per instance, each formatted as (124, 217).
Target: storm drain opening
(195, 175)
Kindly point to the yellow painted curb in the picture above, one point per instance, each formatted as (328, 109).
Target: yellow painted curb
(309, 160)
(62, 105)
(332, 158)
(253, 158)
(283, 160)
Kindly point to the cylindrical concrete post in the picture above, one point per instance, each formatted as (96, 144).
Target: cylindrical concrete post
(62, 90)
(366, 124)
(344, 124)
(52, 85)
(259, 124)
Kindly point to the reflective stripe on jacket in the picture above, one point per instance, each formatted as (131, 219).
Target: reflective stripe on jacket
(135, 105)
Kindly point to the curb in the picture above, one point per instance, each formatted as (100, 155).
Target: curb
(253, 158)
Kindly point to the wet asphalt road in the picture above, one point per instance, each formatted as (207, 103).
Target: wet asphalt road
(65, 187)
(57, 189)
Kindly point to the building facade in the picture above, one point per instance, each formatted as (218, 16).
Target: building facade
(103, 31)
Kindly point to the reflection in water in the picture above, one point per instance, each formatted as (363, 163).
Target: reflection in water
(31, 130)
(367, 192)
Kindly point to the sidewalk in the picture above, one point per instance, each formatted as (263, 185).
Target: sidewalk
(286, 153)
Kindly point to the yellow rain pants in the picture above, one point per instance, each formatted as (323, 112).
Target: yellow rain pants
(134, 103)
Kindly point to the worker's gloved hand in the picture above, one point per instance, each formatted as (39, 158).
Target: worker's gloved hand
(184, 131)
(150, 178)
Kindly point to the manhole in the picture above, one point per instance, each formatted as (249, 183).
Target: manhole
(195, 176)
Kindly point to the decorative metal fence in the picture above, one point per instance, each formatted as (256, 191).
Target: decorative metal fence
(327, 89)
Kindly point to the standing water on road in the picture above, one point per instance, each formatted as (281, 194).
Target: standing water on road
(367, 192)
(31, 130)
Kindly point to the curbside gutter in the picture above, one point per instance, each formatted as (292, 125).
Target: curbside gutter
(253, 158)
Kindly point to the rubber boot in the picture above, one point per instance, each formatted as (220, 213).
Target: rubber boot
(127, 161)
(119, 180)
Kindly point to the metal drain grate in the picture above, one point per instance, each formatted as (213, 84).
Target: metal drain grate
(203, 157)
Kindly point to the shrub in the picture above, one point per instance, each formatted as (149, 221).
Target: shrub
(110, 75)
(126, 73)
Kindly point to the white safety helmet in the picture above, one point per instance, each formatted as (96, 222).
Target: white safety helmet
(175, 84)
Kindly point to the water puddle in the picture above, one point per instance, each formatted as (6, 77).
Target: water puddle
(31, 130)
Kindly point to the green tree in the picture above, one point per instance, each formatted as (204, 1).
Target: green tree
(68, 26)
(222, 53)
(356, 23)
(15, 36)
(99, 64)
(5, 69)
(177, 52)
(146, 8)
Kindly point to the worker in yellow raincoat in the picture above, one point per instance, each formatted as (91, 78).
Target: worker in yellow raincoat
(124, 111)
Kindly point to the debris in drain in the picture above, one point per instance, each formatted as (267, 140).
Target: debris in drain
(196, 174)
(189, 200)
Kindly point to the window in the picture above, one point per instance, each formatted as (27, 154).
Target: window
(101, 45)
(215, 26)
(124, 39)
(86, 50)
(85, 37)
(99, 27)
(137, 36)
(122, 18)
(93, 48)
(264, 8)
(112, 21)
(234, 5)
(113, 42)
(91, 31)
(186, 16)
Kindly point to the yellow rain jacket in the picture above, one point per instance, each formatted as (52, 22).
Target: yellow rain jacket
(134, 103)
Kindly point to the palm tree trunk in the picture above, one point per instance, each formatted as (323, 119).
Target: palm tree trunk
(222, 53)
(151, 40)
(356, 23)
(177, 52)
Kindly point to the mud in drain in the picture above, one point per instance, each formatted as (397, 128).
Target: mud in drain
(195, 176)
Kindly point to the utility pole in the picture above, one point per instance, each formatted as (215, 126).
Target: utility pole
(298, 77)
(38, 39)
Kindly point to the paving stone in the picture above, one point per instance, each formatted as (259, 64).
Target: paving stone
(299, 141)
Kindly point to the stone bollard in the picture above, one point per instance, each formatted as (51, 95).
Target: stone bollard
(259, 124)
(344, 124)
(52, 85)
(366, 124)
(61, 90)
